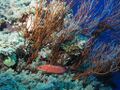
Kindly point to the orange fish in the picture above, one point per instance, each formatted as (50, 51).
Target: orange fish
(52, 69)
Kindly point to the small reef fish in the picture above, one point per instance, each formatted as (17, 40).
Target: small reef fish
(52, 69)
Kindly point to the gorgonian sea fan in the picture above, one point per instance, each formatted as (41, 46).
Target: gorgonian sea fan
(94, 15)
(92, 12)
(105, 53)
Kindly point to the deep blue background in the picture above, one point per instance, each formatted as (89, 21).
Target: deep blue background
(105, 37)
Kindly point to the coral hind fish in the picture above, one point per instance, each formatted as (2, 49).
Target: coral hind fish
(52, 69)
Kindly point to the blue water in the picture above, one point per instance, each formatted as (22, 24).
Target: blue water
(116, 80)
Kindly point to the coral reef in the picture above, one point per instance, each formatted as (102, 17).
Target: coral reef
(50, 29)
(39, 40)
(13, 10)
(9, 42)
(39, 81)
